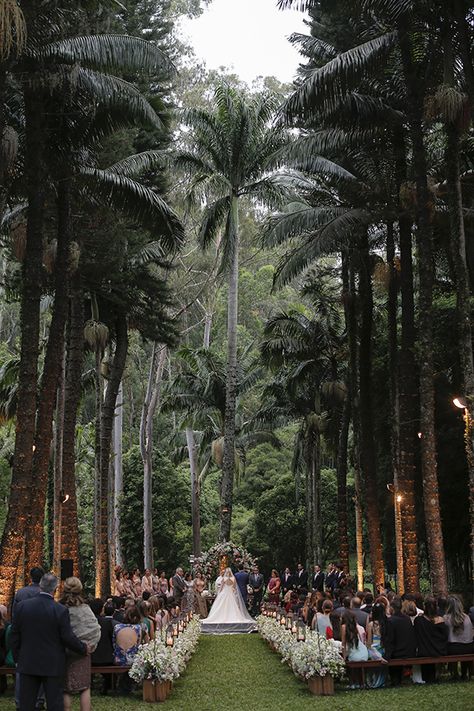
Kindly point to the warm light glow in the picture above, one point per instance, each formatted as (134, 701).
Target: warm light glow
(457, 402)
(399, 498)
(420, 435)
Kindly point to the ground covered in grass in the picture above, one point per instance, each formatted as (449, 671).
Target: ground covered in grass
(239, 671)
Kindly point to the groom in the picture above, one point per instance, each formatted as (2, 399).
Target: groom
(242, 579)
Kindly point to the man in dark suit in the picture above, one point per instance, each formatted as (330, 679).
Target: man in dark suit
(331, 577)
(242, 578)
(179, 586)
(41, 632)
(26, 593)
(287, 581)
(256, 583)
(400, 640)
(317, 582)
(301, 579)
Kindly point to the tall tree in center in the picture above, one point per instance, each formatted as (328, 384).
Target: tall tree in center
(231, 148)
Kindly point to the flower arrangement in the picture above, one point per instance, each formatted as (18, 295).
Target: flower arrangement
(209, 563)
(157, 662)
(316, 656)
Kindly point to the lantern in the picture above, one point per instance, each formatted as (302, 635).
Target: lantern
(301, 634)
(169, 636)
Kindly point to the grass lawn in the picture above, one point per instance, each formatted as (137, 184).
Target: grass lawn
(240, 672)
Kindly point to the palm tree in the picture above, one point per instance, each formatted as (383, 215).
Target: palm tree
(232, 146)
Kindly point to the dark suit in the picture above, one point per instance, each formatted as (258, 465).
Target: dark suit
(179, 586)
(331, 580)
(24, 594)
(400, 643)
(41, 632)
(287, 582)
(318, 581)
(301, 580)
(256, 583)
(242, 579)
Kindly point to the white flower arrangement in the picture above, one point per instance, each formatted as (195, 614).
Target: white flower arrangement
(157, 662)
(209, 563)
(315, 656)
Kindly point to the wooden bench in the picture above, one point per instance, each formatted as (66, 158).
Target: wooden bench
(372, 665)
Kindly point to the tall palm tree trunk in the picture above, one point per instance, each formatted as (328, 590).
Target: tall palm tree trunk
(118, 475)
(367, 442)
(463, 303)
(58, 467)
(49, 382)
(20, 492)
(195, 491)
(74, 364)
(228, 461)
(150, 405)
(429, 466)
(342, 447)
(106, 427)
(317, 517)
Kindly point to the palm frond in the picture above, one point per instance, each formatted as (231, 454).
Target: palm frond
(139, 163)
(109, 52)
(215, 215)
(137, 201)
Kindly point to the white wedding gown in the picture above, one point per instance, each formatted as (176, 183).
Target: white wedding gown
(228, 613)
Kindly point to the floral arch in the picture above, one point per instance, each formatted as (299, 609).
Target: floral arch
(212, 562)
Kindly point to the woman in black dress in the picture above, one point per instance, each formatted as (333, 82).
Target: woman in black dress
(431, 633)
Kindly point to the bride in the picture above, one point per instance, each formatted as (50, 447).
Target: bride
(228, 612)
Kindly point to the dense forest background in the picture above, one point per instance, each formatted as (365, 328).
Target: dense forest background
(114, 233)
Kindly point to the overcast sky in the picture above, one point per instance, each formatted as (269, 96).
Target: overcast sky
(249, 36)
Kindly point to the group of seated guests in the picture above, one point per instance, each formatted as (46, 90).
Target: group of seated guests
(389, 627)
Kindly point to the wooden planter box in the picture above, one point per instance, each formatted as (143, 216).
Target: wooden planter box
(321, 685)
(156, 691)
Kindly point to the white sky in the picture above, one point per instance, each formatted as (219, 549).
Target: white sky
(248, 36)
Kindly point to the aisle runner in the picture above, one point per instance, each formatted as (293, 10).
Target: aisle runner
(224, 673)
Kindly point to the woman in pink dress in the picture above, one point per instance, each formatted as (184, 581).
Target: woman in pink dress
(163, 584)
(137, 583)
(119, 584)
(147, 582)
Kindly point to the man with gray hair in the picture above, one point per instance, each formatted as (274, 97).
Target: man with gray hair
(41, 632)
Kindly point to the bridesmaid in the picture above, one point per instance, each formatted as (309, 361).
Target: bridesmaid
(119, 584)
(200, 604)
(274, 585)
(127, 584)
(137, 583)
(163, 584)
(147, 582)
(155, 582)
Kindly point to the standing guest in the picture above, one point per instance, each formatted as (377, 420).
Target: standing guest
(127, 584)
(340, 579)
(317, 582)
(179, 586)
(4, 625)
(274, 587)
(163, 584)
(287, 581)
(25, 593)
(85, 626)
(30, 590)
(256, 583)
(460, 633)
(301, 579)
(200, 604)
(353, 645)
(187, 601)
(103, 654)
(361, 616)
(431, 634)
(331, 577)
(401, 642)
(41, 631)
(147, 582)
(136, 583)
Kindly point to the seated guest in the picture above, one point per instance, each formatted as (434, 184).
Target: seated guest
(353, 645)
(297, 606)
(336, 624)
(127, 637)
(460, 633)
(400, 643)
(431, 633)
(361, 616)
(293, 600)
(274, 586)
(86, 628)
(410, 609)
(322, 622)
(310, 607)
(161, 615)
(377, 643)
(147, 619)
(104, 652)
(383, 600)
(119, 608)
(368, 603)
